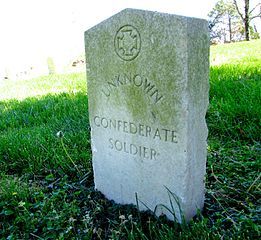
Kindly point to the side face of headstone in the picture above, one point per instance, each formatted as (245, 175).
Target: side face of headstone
(147, 76)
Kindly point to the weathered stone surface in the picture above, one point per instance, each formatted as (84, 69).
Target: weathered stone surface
(147, 76)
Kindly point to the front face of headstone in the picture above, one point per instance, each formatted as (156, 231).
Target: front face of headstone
(148, 94)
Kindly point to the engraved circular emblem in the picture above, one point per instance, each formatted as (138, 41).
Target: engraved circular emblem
(127, 43)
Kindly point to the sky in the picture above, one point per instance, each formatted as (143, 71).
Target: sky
(32, 30)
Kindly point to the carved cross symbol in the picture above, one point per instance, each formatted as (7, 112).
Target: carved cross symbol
(128, 43)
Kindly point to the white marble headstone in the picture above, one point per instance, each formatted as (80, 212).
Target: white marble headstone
(148, 81)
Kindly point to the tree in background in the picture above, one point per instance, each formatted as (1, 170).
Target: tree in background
(224, 24)
(247, 15)
(227, 21)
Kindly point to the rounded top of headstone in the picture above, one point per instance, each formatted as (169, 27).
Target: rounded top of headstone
(129, 12)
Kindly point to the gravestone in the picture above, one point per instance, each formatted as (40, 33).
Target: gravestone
(147, 75)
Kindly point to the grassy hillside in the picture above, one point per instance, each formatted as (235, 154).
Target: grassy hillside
(235, 78)
(46, 181)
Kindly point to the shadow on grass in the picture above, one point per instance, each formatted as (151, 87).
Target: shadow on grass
(28, 141)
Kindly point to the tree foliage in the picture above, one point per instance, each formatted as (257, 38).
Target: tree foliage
(228, 22)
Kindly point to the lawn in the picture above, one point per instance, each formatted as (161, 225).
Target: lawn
(46, 180)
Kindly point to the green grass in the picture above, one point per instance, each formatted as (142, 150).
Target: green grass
(38, 87)
(46, 181)
(237, 53)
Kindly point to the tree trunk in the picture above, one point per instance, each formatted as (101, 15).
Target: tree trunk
(246, 20)
(230, 28)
